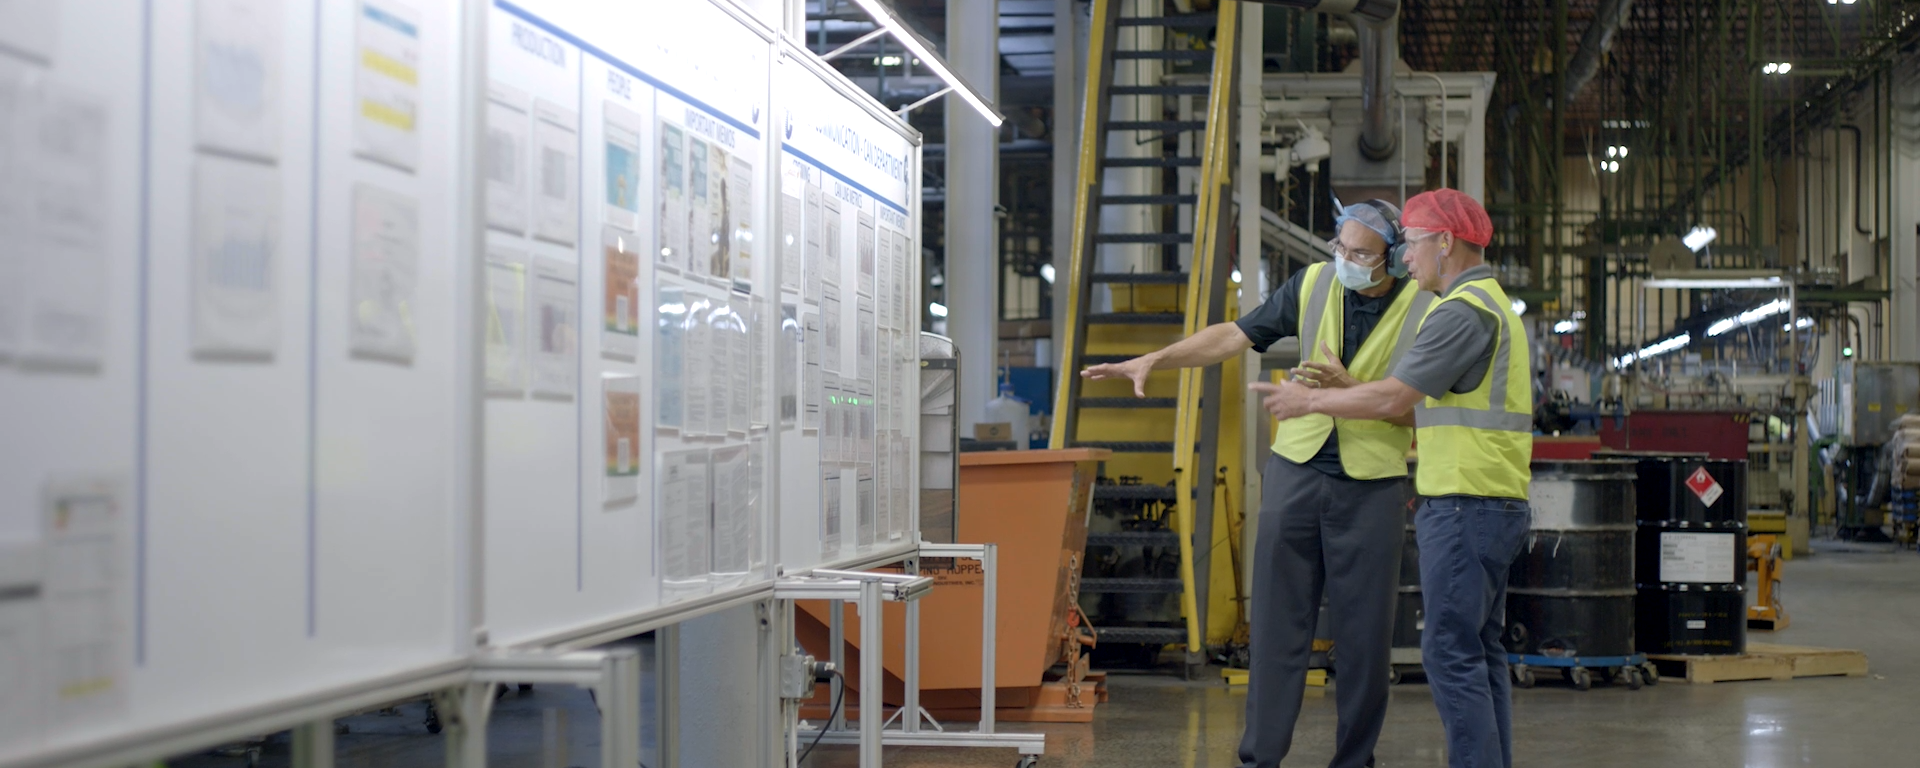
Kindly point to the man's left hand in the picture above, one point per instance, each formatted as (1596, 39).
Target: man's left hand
(1328, 375)
(1286, 400)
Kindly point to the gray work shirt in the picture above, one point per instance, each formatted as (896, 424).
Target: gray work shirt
(1454, 347)
(1279, 317)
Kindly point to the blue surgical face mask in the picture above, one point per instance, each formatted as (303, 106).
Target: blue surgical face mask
(1353, 276)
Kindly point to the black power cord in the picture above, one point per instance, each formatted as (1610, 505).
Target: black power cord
(839, 699)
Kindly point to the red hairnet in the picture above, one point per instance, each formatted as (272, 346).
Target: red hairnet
(1449, 210)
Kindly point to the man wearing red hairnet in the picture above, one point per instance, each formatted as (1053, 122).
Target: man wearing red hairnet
(1467, 380)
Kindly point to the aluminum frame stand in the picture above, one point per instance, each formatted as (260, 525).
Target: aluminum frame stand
(872, 734)
(612, 675)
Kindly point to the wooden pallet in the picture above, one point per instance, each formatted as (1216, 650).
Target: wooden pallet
(1762, 661)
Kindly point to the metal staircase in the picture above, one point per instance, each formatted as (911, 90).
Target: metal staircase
(1153, 535)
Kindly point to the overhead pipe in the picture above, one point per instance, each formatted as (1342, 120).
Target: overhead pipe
(1378, 25)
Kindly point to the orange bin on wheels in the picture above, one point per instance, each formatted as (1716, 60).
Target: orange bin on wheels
(1034, 506)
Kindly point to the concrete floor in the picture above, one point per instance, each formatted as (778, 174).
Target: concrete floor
(1864, 597)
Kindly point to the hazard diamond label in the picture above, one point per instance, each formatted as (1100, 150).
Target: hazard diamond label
(1704, 486)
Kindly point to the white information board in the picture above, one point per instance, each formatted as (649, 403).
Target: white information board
(228, 359)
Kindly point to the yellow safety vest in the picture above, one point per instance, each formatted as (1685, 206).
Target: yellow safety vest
(1369, 449)
(1481, 443)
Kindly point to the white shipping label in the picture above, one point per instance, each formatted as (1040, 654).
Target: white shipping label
(1696, 557)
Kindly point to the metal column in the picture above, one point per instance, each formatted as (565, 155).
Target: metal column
(972, 228)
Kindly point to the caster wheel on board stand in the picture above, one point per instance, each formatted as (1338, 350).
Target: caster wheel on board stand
(1632, 675)
(433, 719)
(1523, 676)
(1027, 761)
(1582, 679)
(1650, 673)
(1393, 675)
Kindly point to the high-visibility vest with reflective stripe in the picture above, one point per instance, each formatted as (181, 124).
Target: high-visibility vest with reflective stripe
(1480, 443)
(1369, 449)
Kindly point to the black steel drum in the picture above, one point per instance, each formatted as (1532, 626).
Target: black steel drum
(1691, 554)
(1571, 590)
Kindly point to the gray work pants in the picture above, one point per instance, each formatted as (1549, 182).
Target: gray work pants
(1344, 536)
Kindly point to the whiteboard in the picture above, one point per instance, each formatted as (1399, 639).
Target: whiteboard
(681, 299)
(235, 384)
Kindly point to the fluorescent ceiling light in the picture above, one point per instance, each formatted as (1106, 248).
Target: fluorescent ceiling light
(1519, 306)
(1566, 326)
(1699, 237)
(923, 51)
(1236, 276)
(1046, 273)
(1748, 317)
(1657, 348)
(937, 309)
(1805, 322)
(1714, 282)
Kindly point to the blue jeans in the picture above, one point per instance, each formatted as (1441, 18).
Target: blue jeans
(1467, 544)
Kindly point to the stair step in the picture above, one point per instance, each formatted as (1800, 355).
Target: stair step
(1164, 238)
(1150, 162)
(1156, 125)
(1134, 538)
(1177, 55)
(1158, 90)
(1141, 635)
(1127, 446)
(1195, 20)
(1132, 585)
(1142, 278)
(1137, 318)
(1127, 402)
(1140, 492)
(1147, 199)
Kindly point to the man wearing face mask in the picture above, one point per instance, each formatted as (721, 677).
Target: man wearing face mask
(1334, 498)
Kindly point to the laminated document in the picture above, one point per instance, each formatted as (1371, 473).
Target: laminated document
(720, 215)
(509, 134)
(830, 242)
(386, 125)
(556, 324)
(669, 356)
(732, 515)
(865, 339)
(740, 385)
(883, 282)
(787, 371)
(830, 420)
(237, 52)
(683, 520)
(556, 196)
(236, 256)
(864, 250)
(793, 245)
(760, 361)
(698, 392)
(621, 158)
(64, 318)
(737, 225)
(702, 240)
(813, 380)
(816, 237)
(900, 453)
(757, 505)
(21, 633)
(675, 203)
(620, 432)
(86, 598)
(869, 520)
(830, 512)
(18, 227)
(619, 294)
(506, 323)
(720, 376)
(30, 28)
(830, 320)
(386, 268)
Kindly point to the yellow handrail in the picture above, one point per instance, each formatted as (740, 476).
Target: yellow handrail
(1215, 172)
(1093, 126)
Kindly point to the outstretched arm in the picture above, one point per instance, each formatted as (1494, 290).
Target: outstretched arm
(1212, 344)
(1388, 399)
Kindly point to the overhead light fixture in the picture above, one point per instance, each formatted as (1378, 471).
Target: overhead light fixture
(1652, 350)
(937, 309)
(1777, 67)
(924, 53)
(1519, 306)
(1748, 317)
(1566, 326)
(1612, 166)
(1616, 151)
(1235, 277)
(1698, 238)
(1046, 273)
(1805, 322)
(1714, 282)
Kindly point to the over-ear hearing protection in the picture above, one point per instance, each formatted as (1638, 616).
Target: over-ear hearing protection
(1396, 253)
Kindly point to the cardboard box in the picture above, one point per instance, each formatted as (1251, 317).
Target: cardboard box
(998, 430)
